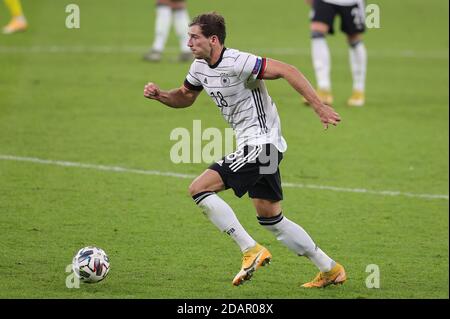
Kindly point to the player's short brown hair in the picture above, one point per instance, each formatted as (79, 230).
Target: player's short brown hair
(211, 24)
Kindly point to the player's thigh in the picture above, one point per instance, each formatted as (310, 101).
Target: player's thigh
(209, 180)
(319, 27)
(267, 193)
(266, 208)
(322, 17)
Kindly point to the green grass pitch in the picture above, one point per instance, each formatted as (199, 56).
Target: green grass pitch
(76, 95)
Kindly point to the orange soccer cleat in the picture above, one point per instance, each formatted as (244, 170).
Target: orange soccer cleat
(253, 258)
(15, 25)
(335, 276)
(357, 99)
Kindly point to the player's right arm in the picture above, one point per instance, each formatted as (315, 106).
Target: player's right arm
(276, 69)
(176, 98)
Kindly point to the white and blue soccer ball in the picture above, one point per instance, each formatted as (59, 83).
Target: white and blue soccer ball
(91, 264)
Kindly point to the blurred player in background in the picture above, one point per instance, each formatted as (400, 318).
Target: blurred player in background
(352, 13)
(166, 12)
(235, 82)
(18, 21)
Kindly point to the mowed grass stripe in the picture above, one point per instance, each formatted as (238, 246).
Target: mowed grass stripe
(119, 169)
(108, 49)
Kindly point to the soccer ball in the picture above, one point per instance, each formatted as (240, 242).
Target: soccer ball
(91, 264)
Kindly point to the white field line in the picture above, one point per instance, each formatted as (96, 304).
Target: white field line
(189, 176)
(108, 49)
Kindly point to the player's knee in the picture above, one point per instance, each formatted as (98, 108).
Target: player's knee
(267, 208)
(195, 188)
(317, 34)
(354, 40)
(317, 26)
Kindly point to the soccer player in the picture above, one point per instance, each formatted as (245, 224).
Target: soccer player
(235, 82)
(18, 21)
(165, 11)
(352, 15)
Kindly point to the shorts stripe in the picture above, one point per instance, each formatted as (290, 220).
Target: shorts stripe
(243, 159)
(250, 159)
(240, 160)
(236, 165)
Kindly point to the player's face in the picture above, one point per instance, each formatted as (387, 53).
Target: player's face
(198, 43)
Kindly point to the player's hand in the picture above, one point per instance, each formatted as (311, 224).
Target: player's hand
(328, 115)
(151, 91)
(309, 2)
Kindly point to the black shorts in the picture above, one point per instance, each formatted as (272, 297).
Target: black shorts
(352, 17)
(252, 169)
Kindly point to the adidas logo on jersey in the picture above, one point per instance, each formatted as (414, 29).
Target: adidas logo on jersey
(205, 81)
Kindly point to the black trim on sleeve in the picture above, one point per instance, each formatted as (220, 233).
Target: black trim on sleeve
(192, 87)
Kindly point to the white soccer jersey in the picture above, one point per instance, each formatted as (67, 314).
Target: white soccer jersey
(235, 85)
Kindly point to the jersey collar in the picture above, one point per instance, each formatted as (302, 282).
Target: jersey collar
(218, 61)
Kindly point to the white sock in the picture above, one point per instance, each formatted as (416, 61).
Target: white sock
(297, 240)
(221, 215)
(162, 27)
(358, 64)
(321, 62)
(181, 23)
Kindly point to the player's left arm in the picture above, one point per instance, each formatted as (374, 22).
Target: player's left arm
(277, 69)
